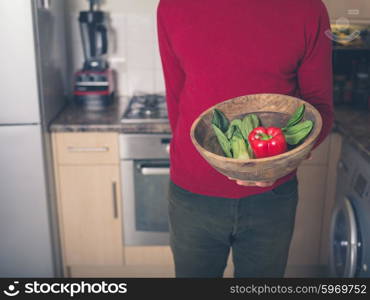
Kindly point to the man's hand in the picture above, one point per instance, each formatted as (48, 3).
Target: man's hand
(253, 183)
(261, 183)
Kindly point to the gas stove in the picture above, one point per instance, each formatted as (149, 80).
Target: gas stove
(146, 108)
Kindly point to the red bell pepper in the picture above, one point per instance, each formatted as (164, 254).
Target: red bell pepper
(267, 141)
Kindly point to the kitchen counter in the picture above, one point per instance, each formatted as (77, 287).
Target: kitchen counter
(75, 118)
(354, 126)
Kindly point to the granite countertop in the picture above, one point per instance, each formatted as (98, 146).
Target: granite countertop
(75, 118)
(354, 126)
(352, 123)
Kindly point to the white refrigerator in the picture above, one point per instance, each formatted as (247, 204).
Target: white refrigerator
(32, 92)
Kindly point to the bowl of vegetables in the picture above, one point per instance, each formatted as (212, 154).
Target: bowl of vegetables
(260, 137)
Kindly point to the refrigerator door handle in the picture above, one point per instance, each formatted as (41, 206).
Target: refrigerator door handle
(44, 4)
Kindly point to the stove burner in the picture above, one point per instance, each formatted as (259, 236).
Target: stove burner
(146, 108)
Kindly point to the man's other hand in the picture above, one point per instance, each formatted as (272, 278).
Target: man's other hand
(261, 183)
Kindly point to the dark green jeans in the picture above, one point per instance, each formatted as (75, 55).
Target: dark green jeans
(257, 228)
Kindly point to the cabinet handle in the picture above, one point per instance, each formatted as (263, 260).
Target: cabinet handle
(87, 149)
(115, 206)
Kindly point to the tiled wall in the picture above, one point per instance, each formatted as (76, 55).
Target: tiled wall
(133, 47)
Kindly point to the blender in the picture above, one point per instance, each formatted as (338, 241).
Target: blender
(93, 84)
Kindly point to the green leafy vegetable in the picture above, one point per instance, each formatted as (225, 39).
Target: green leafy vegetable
(249, 122)
(238, 145)
(232, 127)
(220, 120)
(222, 139)
(297, 133)
(296, 117)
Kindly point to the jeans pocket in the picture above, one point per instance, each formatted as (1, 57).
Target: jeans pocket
(287, 189)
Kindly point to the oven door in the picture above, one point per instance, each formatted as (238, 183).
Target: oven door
(144, 194)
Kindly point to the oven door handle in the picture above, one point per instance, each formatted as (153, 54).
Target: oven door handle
(155, 170)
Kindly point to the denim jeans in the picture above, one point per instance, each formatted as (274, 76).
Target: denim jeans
(258, 230)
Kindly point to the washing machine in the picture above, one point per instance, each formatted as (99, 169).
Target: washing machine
(349, 254)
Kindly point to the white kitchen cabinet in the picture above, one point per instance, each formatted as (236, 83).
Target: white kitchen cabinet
(87, 173)
(305, 250)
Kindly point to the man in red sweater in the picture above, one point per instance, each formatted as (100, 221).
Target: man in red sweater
(211, 51)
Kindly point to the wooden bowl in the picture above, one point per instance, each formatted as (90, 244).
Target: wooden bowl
(273, 110)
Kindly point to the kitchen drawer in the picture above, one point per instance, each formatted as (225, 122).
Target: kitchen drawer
(89, 148)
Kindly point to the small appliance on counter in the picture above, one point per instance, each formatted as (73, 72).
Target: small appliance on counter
(94, 83)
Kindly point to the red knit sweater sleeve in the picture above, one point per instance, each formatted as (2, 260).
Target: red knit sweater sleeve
(315, 70)
(173, 73)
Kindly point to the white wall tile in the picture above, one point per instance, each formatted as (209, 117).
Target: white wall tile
(154, 17)
(157, 58)
(140, 54)
(117, 54)
(140, 27)
(117, 35)
(159, 86)
(133, 46)
(121, 82)
(75, 43)
(140, 80)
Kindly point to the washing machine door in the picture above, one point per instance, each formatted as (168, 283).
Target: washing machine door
(343, 241)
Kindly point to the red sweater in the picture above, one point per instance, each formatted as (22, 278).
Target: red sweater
(214, 50)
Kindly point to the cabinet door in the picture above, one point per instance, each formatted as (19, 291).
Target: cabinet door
(305, 246)
(18, 64)
(91, 214)
(330, 194)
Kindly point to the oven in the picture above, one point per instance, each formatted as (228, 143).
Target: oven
(145, 178)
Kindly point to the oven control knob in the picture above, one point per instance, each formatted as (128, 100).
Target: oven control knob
(168, 148)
